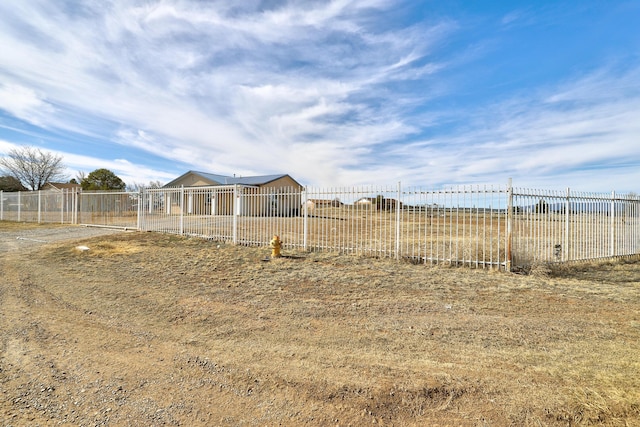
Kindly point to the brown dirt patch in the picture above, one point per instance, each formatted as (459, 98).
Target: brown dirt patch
(152, 329)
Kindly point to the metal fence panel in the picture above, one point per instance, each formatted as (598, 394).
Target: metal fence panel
(108, 209)
(360, 220)
(11, 204)
(37, 206)
(461, 225)
(560, 226)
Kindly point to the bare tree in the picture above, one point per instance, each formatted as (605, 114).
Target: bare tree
(80, 176)
(136, 186)
(33, 167)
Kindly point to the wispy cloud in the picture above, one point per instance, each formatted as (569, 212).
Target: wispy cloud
(546, 138)
(25, 104)
(221, 88)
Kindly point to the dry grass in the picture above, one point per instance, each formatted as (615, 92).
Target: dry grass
(167, 330)
(6, 226)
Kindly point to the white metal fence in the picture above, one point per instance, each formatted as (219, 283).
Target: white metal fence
(555, 226)
(475, 226)
(36, 206)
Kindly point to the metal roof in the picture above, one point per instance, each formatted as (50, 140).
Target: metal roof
(244, 180)
(215, 179)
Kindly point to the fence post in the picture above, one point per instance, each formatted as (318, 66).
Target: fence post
(75, 201)
(305, 220)
(236, 212)
(19, 205)
(140, 210)
(398, 217)
(1, 205)
(612, 250)
(509, 257)
(182, 210)
(567, 241)
(39, 206)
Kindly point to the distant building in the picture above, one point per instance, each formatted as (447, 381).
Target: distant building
(323, 203)
(379, 203)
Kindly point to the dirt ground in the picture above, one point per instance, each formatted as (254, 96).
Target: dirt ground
(104, 327)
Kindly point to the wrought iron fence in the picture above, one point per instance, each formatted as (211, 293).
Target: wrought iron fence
(476, 226)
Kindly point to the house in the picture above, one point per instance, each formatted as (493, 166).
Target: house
(272, 195)
(62, 186)
(60, 192)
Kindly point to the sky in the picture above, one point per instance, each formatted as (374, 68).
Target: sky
(335, 93)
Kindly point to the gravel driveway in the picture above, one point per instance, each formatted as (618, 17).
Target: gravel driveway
(19, 239)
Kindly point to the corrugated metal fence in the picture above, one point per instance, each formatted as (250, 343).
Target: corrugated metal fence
(476, 226)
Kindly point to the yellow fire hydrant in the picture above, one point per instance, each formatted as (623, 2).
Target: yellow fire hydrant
(276, 243)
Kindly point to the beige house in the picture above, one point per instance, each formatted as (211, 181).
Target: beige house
(266, 195)
(61, 186)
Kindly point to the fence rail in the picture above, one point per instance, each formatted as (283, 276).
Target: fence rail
(476, 226)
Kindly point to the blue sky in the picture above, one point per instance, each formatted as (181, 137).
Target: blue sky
(334, 93)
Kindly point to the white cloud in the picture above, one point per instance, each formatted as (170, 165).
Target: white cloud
(25, 104)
